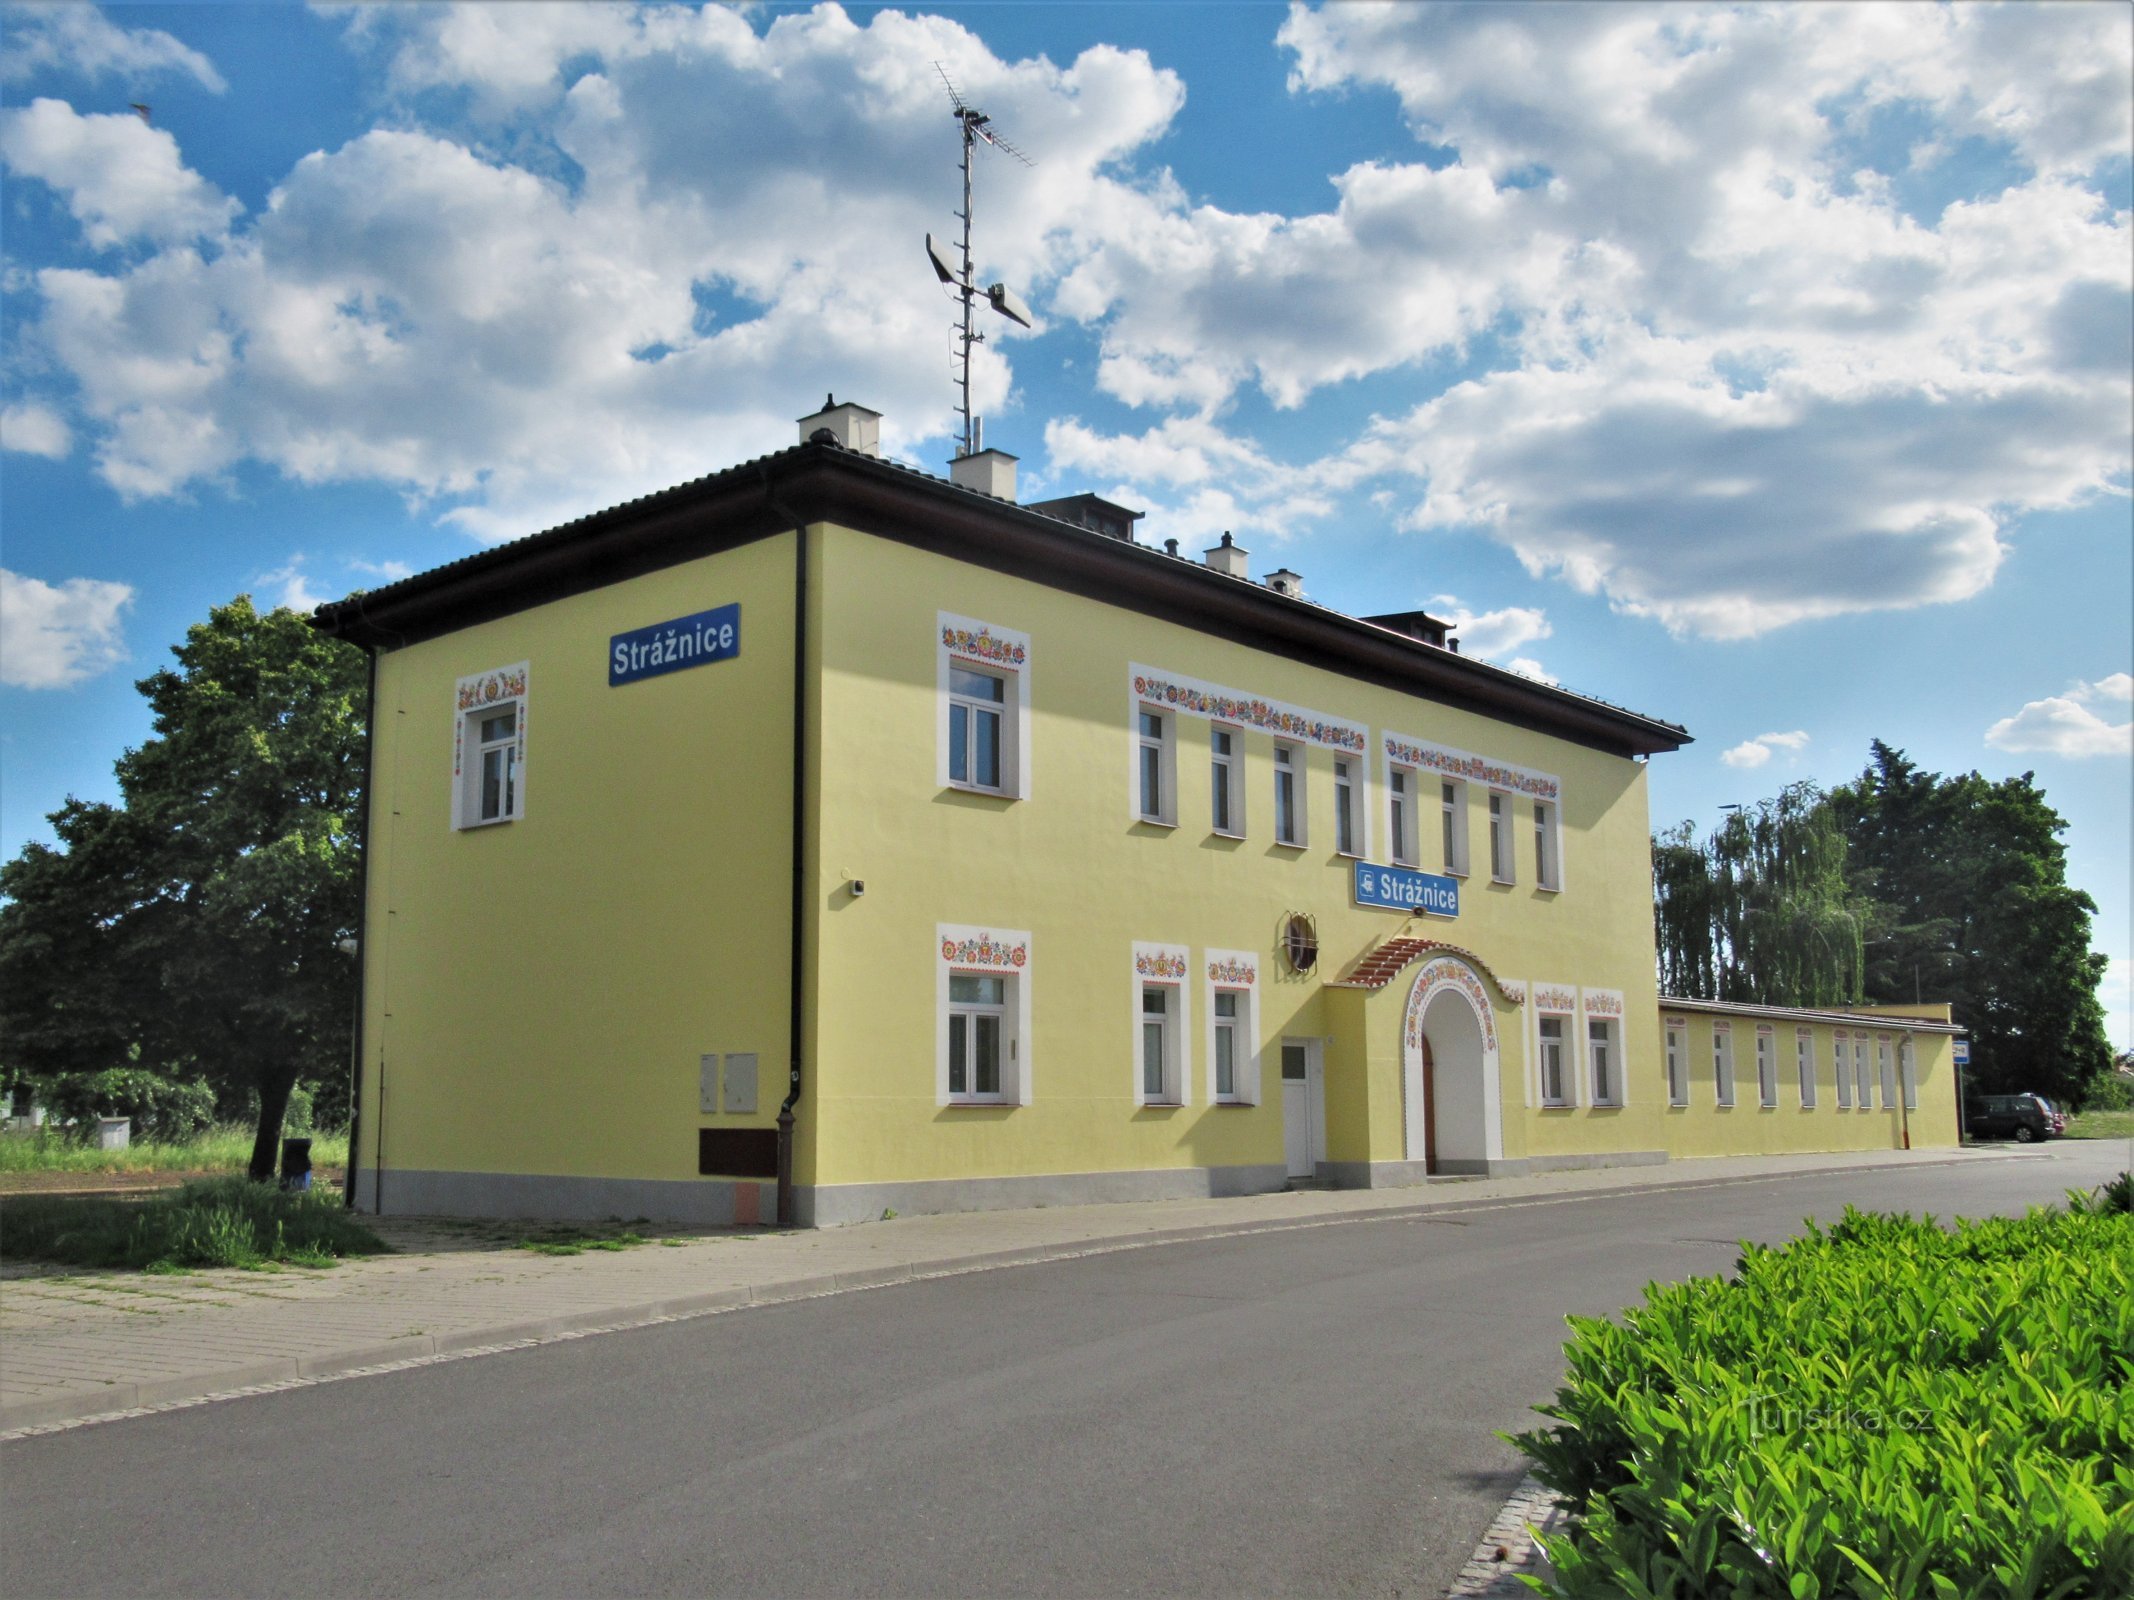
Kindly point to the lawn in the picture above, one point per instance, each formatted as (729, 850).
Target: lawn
(227, 1148)
(212, 1222)
(2101, 1125)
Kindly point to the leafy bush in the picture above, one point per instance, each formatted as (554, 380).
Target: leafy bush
(1884, 1409)
(165, 1110)
(215, 1222)
(2108, 1091)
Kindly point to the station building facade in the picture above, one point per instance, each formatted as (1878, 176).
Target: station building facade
(1021, 863)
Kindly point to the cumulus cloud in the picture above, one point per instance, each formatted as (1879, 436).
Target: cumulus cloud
(1528, 667)
(1757, 752)
(81, 39)
(2068, 725)
(289, 587)
(1492, 633)
(53, 636)
(35, 430)
(122, 179)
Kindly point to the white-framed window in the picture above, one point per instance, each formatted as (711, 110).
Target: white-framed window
(1289, 819)
(977, 1036)
(1908, 1072)
(1155, 766)
(1345, 813)
(1501, 866)
(1547, 868)
(489, 748)
(1886, 1070)
(1233, 1024)
(982, 716)
(1804, 1065)
(982, 1007)
(1401, 794)
(1555, 1090)
(1722, 1064)
(1160, 1052)
(1861, 1080)
(1677, 1041)
(977, 723)
(1767, 1067)
(1226, 781)
(1452, 802)
(1603, 1064)
(1842, 1069)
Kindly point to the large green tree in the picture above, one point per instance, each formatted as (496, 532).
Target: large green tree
(1761, 910)
(1969, 880)
(193, 926)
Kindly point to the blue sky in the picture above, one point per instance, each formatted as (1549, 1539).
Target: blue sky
(1766, 369)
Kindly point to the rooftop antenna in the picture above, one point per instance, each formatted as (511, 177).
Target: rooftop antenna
(976, 125)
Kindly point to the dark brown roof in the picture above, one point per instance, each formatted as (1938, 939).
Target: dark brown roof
(821, 482)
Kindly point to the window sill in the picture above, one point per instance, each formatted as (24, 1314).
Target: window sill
(1557, 1105)
(1159, 1105)
(1548, 888)
(967, 1104)
(1291, 844)
(981, 790)
(1154, 822)
(484, 822)
(1232, 1103)
(1226, 833)
(1503, 883)
(1455, 872)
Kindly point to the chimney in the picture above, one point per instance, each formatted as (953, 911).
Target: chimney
(855, 427)
(1228, 558)
(1284, 582)
(988, 471)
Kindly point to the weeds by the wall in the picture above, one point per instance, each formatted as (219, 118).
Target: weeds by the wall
(216, 1222)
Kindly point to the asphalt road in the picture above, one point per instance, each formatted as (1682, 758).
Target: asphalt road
(1305, 1413)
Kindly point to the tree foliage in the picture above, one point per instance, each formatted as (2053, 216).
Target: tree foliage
(1969, 881)
(191, 928)
(1761, 910)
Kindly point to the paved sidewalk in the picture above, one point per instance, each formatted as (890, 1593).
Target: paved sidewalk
(76, 1346)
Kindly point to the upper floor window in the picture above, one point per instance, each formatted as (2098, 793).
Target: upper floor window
(1401, 794)
(489, 748)
(1226, 785)
(1545, 846)
(977, 703)
(1453, 801)
(1288, 794)
(1500, 837)
(1553, 1091)
(1344, 808)
(1154, 766)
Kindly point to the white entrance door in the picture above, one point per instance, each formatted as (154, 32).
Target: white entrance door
(1303, 1107)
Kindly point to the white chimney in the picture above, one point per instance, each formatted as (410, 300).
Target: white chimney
(1228, 558)
(855, 427)
(1284, 582)
(988, 471)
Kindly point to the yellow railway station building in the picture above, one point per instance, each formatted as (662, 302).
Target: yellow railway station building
(1006, 859)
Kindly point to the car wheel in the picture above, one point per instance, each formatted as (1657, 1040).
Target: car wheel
(2023, 1135)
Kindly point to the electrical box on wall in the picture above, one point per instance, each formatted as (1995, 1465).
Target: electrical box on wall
(741, 1083)
(708, 1085)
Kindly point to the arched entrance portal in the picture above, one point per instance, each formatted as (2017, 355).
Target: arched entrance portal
(1449, 1070)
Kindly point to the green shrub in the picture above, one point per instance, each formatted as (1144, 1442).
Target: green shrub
(164, 1110)
(1884, 1409)
(213, 1222)
(2108, 1091)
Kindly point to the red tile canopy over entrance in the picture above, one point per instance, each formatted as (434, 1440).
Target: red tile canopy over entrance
(1381, 966)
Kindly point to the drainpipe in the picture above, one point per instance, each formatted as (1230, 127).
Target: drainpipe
(362, 952)
(798, 968)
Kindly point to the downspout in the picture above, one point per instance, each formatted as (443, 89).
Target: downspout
(798, 968)
(363, 794)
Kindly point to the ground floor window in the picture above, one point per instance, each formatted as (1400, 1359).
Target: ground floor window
(1160, 1024)
(1886, 1069)
(1844, 1072)
(1600, 1059)
(1722, 1065)
(1861, 1080)
(1767, 1068)
(982, 1001)
(1804, 1066)
(1677, 1066)
(1552, 1079)
(1226, 1021)
(977, 1028)
(1908, 1069)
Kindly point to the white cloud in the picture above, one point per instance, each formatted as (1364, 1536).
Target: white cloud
(35, 430)
(1757, 752)
(291, 589)
(122, 179)
(81, 39)
(1492, 633)
(1528, 667)
(2064, 725)
(55, 636)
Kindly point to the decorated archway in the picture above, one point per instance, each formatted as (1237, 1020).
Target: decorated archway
(1452, 1114)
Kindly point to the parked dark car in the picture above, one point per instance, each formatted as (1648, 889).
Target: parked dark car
(2020, 1117)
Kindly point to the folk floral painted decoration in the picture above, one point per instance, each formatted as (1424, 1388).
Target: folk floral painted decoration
(1441, 974)
(1160, 964)
(1604, 1002)
(1480, 769)
(984, 951)
(1228, 705)
(487, 689)
(1233, 973)
(1556, 998)
(983, 645)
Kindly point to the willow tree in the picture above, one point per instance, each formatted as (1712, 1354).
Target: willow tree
(1761, 910)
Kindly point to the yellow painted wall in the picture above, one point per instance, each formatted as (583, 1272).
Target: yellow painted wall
(538, 993)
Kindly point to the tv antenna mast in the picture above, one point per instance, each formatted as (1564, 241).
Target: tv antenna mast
(976, 126)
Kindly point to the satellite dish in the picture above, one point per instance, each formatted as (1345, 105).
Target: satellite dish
(942, 269)
(1005, 302)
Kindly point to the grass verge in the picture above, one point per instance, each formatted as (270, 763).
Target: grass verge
(562, 1239)
(227, 1148)
(2101, 1125)
(1884, 1409)
(215, 1222)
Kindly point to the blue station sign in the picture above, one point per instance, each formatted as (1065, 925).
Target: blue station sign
(1404, 889)
(693, 641)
